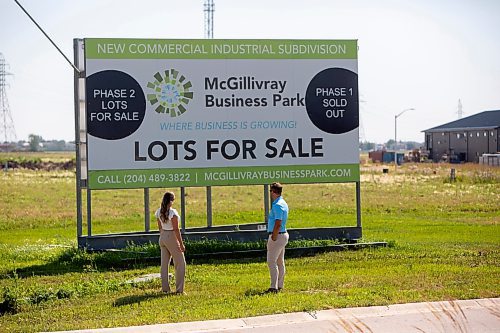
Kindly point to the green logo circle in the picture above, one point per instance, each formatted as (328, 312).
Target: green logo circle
(171, 93)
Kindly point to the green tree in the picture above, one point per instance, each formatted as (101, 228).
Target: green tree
(390, 144)
(34, 141)
(366, 146)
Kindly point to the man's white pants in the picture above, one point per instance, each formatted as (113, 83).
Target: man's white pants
(276, 260)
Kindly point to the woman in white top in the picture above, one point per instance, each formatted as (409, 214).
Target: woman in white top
(171, 244)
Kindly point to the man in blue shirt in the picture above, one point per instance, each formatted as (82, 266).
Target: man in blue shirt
(278, 238)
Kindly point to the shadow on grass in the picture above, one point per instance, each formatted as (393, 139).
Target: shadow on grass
(75, 260)
(60, 267)
(137, 299)
(111, 262)
(258, 292)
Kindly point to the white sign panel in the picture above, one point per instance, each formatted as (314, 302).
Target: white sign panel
(165, 113)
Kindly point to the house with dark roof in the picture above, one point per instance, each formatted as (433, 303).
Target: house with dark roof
(466, 139)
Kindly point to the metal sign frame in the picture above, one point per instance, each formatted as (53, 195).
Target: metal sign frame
(251, 231)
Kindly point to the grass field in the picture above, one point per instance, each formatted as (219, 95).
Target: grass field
(444, 237)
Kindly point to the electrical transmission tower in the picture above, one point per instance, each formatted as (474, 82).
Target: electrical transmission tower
(6, 122)
(209, 8)
(460, 111)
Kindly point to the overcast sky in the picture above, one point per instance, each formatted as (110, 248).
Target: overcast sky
(424, 54)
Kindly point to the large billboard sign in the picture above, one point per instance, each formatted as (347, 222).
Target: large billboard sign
(168, 113)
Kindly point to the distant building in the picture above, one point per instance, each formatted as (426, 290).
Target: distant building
(466, 139)
(7, 146)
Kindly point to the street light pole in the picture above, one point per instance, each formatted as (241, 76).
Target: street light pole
(396, 136)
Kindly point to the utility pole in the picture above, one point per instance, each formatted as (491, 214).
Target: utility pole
(6, 122)
(396, 136)
(209, 8)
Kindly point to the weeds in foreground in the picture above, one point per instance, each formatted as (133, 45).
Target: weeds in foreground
(15, 299)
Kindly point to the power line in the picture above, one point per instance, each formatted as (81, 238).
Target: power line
(39, 27)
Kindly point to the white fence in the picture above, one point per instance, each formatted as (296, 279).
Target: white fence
(490, 159)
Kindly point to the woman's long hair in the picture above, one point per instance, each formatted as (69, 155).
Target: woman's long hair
(164, 210)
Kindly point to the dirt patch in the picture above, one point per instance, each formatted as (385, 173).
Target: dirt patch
(38, 165)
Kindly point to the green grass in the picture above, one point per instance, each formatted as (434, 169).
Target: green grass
(444, 240)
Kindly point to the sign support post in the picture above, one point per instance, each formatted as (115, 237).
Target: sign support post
(183, 209)
(147, 226)
(358, 204)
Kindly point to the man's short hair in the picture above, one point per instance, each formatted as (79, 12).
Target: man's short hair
(276, 188)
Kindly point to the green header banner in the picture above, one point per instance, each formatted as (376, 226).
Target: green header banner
(149, 178)
(108, 48)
